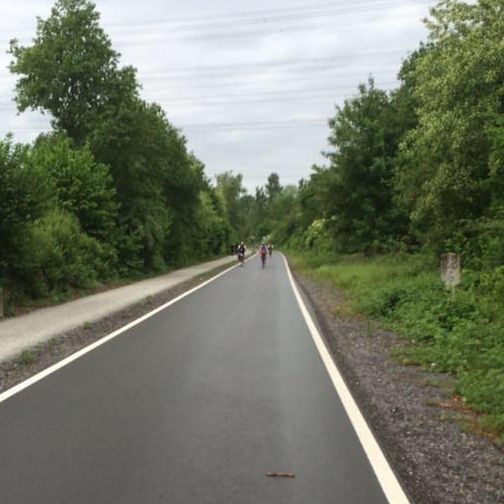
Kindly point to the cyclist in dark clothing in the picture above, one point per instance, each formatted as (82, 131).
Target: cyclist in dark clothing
(240, 251)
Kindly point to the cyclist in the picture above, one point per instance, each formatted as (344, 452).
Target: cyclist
(240, 251)
(263, 252)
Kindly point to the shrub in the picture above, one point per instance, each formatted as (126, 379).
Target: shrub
(460, 333)
(59, 257)
(81, 185)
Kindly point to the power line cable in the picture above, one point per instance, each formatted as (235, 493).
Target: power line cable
(274, 63)
(259, 17)
(329, 10)
(159, 39)
(177, 103)
(223, 125)
(317, 78)
(292, 93)
(308, 123)
(279, 92)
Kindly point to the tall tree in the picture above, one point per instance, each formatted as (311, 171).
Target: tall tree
(230, 187)
(447, 171)
(71, 70)
(273, 187)
(358, 186)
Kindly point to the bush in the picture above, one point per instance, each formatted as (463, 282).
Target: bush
(59, 257)
(24, 196)
(80, 184)
(460, 333)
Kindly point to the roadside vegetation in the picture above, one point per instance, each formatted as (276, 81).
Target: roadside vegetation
(412, 174)
(111, 193)
(459, 333)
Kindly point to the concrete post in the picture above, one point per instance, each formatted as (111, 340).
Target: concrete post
(450, 270)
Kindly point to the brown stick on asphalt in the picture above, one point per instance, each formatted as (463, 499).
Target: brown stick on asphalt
(280, 475)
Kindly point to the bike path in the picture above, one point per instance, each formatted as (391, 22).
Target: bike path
(194, 405)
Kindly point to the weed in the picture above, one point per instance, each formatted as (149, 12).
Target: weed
(433, 382)
(27, 358)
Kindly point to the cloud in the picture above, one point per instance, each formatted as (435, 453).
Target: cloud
(250, 88)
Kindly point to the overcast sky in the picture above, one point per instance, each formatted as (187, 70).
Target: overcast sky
(251, 85)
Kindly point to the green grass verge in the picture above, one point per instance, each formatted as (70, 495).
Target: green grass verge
(460, 333)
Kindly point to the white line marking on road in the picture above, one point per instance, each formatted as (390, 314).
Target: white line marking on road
(83, 351)
(386, 477)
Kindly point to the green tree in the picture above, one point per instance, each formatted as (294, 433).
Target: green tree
(71, 70)
(447, 172)
(284, 214)
(24, 197)
(212, 233)
(230, 188)
(79, 184)
(273, 187)
(358, 193)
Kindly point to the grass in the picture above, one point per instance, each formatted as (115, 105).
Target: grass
(460, 333)
(27, 358)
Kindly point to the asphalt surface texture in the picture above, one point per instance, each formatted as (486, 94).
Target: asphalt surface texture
(194, 405)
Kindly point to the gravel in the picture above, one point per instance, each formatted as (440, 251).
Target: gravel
(414, 413)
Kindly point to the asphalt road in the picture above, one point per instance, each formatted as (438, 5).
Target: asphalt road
(192, 406)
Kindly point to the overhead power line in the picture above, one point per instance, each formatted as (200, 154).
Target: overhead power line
(261, 17)
(245, 83)
(292, 66)
(304, 123)
(160, 40)
(282, 94)
(178, 103)
(279, 93)
(274, 16)
(296, 123)
(288, 62)
(170, 36)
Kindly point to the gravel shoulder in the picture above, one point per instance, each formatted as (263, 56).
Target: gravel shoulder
(43, 355)
(413, 413)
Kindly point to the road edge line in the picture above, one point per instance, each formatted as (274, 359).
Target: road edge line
(389, 483)
(89, 348)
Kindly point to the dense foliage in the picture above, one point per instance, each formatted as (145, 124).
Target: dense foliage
(112, 191)
(413, 173)
(459, 333)
(421, 166)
